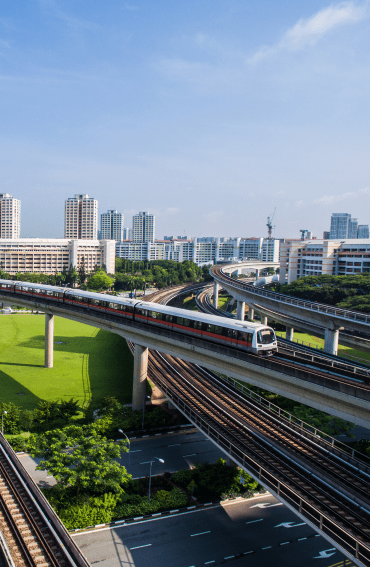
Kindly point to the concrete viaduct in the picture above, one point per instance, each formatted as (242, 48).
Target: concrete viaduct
(286, 309)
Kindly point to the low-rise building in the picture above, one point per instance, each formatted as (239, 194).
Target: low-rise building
(317, 257)
(49, 256)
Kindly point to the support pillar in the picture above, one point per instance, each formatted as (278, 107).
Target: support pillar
(250, 314)
(331, 341)
(216, 289)
(49, 340)
(289, 333)
(257, 274)
(264, 320)
(240, 310)
(140, 376)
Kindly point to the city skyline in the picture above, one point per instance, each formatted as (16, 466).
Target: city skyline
(209, 115)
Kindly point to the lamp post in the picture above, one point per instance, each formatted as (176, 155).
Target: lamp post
(150, 473)
(145, 398)
(129, 446)
(2, 422)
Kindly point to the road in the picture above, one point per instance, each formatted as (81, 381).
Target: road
(257, 532)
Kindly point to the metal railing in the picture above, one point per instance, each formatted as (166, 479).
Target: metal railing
(351, 544)
(290, 300)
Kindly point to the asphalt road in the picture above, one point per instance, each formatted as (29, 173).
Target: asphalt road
(257, 532)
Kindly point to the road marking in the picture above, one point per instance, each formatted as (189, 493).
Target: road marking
(175, 445)
(136, 451)
(201, 533)
(264, 505)
(268, 547)
(326, 553)
(140, 546)
(247, 552)
(290, 525)
(230, 557)
(284, 543)
(301, 538)
(192, 455)
(254, 521)
(208, 562)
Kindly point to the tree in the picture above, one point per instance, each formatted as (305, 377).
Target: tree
(99, 281)
(81, 458)
(82, 275)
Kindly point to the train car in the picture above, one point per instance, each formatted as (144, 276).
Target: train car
(252, 337)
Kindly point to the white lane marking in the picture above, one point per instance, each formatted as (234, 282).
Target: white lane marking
(175, 445)
(201, 533)
(326, 553)
(268, 547)
(290, 525)
(284, 543)
(208, 562)
(247, 552)
(264, 505)
(192, 455)
(229, 557)
(136, 451)
(140, 546)
(254, 521)
(301, 538)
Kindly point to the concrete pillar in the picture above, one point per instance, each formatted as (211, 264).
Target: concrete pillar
(289, 333)
(140, 375)
(257, 274)
(49, 340)
(264, 320)
(250, 314)
(240, 310)
(216, 289)
(331, 341)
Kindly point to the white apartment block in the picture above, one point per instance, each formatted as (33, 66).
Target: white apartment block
(10, 216)
(50, 256)
(317, 257)
(81, 218)
(143, 227)
(208, 250)
(111, 226)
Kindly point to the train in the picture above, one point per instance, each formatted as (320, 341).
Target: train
(252, 337)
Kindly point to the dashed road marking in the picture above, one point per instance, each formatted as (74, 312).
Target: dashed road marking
(201, 533)
(140, 546)
(254, 521)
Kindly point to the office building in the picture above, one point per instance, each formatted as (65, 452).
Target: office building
(111, 226)
(143, 227)
(363, 231)
(49, 256)
(81, 218)
(10, 216)
(317, 257)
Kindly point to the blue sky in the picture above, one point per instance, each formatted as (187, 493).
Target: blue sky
(207, 113)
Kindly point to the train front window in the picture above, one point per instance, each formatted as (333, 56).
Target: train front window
(266, 337)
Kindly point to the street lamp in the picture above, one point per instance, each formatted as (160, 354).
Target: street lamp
(2, 422)
(150, 473)
(145, 398)
(129, 445)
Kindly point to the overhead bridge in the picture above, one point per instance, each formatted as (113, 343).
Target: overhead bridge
(338, 395)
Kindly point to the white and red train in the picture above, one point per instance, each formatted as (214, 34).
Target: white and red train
(244, 335)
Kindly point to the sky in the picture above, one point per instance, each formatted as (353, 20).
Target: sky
(209, 114)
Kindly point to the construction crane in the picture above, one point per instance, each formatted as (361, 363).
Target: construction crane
(303, 232)
(269, 224)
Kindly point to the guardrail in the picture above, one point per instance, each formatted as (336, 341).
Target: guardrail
(290, 300)
(311, 513)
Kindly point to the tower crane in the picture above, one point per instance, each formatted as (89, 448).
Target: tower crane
(269, 224)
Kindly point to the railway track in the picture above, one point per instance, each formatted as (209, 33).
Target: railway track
(335, 488)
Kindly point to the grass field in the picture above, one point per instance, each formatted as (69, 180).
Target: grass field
(88, 362)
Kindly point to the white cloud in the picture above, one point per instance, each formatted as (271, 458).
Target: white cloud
(332, 199)
(308, 31)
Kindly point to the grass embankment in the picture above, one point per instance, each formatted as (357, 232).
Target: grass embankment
(88, 362)
(318, 342)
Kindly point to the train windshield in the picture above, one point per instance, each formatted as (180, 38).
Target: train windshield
(266, 336)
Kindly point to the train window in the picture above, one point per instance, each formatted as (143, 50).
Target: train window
(179, 320)
(211, 328)
(197, 325)
(169, 318)
(266, 336)
(156, 315)
(241, 336)
(186, 322)
(143, 312)
(232, 334)
(218, 330)
(112, 305)
(249, 337)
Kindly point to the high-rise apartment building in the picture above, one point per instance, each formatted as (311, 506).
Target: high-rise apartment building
(363, 231)
(127, 234)
(111, 226)
(10, 216)
(340, 225)
(353, 228)
(143, 225)
(81, 218)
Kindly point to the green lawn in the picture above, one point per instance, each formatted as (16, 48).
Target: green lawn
(88, 363)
